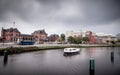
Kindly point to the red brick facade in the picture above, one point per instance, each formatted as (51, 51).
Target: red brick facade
(92, 39)
(53, 37)
(13, 35)
(10, 35)
(91, 36)
(40, 36)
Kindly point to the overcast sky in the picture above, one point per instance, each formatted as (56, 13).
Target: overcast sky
(59, 16)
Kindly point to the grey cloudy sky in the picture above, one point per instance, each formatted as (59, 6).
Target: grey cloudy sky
(59, 16)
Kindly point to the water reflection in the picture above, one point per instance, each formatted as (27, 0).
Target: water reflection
(91, 72)
(71, 54)
(5, 63)
(54, 62)
(112, 57)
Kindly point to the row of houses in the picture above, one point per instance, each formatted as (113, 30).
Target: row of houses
(40, 36)
(14, 35)
(93, 37)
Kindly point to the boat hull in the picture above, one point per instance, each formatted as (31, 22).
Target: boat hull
(71, 50)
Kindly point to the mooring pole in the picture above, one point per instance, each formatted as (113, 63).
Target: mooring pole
(112, 56)
(92, 66)
(5, 56)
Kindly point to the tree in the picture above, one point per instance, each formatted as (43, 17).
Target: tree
(85, 39)
(74, 40)
(113, 42)
(107, 41)
(78, 40)
(71, 39)
(62, 37)
(59, 39)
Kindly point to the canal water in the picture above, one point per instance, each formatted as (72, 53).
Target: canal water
(53, 62)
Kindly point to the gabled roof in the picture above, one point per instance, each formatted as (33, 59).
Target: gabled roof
(10, 30)
(26, 35)
(40, 32)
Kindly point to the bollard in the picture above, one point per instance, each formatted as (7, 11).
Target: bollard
(5, 56)
(112, 56)
(92, 64)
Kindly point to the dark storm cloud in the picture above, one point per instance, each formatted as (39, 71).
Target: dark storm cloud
(93, 11)
(96, 12)
(62, 12)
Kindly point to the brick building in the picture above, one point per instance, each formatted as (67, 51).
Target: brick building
(105, 38)
(90, 35)
(14, 35)
(40, 36)
(53, 37)
(10, 34)
(26, 37)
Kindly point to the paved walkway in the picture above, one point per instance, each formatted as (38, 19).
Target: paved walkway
(5, 45)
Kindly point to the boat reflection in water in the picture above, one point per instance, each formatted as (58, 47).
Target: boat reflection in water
(71, 51)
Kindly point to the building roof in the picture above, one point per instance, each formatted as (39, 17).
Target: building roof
(40, 32)
(25, 35)
(10, 30)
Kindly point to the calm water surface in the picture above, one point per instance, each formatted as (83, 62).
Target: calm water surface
(53, 62)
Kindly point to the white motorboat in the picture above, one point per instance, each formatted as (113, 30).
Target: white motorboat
(71, 50)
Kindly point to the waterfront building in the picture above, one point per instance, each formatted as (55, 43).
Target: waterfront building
(90, 35)
(26, 37)
(104, 38)
(118, 36)
(10, 34)
(81, 34)
(53, 37)
(40, 36)
(74, 34)
(14, 35)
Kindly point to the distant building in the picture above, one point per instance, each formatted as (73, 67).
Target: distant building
(26, 37)
(90, 35)
(104, 38)
(53, 37)
(118, 36)
(10, 34)
(1, 39)
(40, 36)
(74, 34)
(14, 35)
(82, 34)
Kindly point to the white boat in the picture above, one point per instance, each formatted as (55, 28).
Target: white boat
(71, 50)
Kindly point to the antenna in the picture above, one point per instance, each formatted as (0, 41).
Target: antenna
(14, 24)
(13, 30)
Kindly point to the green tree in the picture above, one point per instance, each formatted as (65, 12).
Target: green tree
(85, 39)
(62, 37)
(71, 39)
(78, 40)
(74, 40)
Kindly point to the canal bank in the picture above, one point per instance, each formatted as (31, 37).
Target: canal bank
(17, 50)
